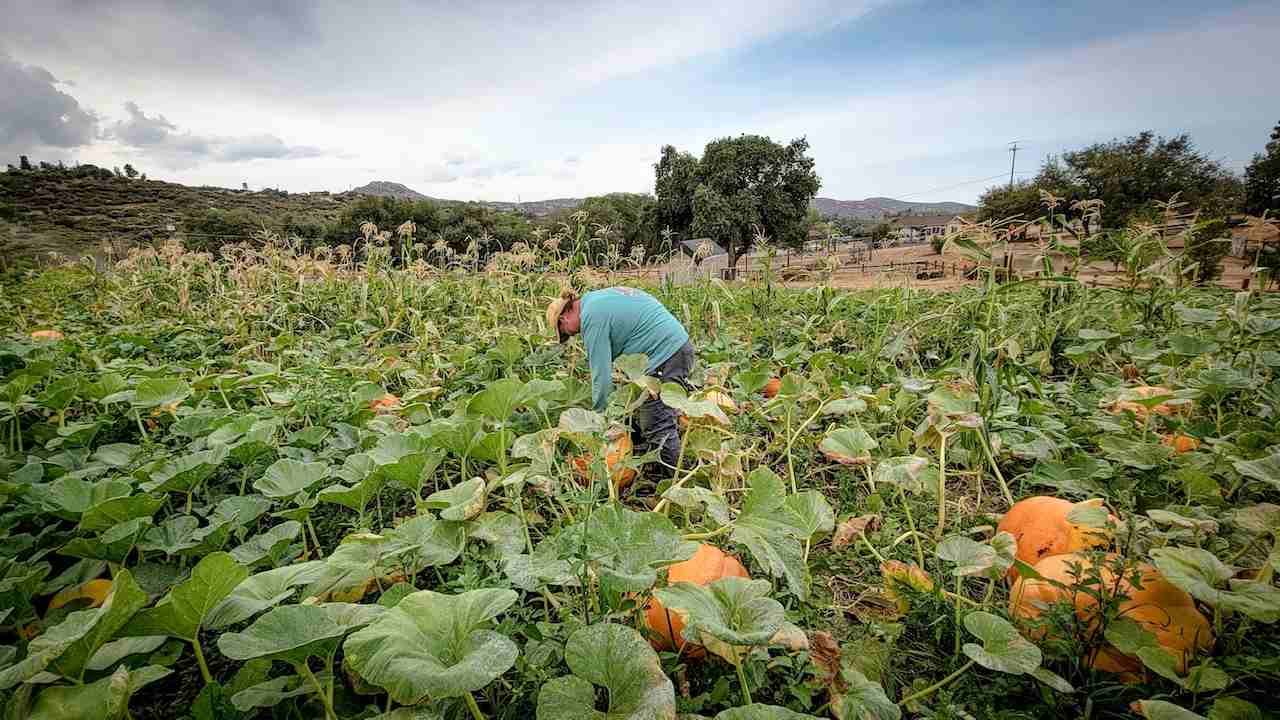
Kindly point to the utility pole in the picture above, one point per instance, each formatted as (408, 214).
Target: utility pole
(1013, 148)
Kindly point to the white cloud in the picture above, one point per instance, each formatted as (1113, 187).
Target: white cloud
(157, 139)
(36, 114)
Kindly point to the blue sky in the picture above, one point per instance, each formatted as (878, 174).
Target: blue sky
(524, 100)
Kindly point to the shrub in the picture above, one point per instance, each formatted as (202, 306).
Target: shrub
(1207, 245)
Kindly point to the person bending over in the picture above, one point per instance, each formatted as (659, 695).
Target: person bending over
(625, 321)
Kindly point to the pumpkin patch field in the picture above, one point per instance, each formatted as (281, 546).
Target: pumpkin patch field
(288, 484)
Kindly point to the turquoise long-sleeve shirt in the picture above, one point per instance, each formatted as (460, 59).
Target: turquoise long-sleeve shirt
(625, 321)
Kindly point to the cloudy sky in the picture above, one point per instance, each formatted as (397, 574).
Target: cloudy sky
(532, 100)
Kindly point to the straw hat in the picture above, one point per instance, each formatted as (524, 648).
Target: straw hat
(556, 309)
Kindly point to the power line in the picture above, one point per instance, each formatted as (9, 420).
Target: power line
(949, 187)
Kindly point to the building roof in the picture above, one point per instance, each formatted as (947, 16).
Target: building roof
(916, 221)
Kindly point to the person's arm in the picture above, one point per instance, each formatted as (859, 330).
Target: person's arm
(595, 338)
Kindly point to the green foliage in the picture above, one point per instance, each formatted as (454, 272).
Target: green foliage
(1207, 245)
(1262, 178)
(740, 188)
(1001, 202)
(1129, 176)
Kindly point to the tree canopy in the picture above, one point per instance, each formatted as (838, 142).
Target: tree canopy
(739, 188)
(1130, 176)
(1262, 178)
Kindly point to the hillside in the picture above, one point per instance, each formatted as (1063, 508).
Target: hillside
(869, 209)
(878, 207)
(61, 211)
(384, 188)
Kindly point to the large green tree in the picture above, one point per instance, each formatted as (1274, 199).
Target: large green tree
(1262, 178)
(739, 188)
(1129, 176)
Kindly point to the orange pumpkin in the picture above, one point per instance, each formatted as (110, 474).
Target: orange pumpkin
(1040, 526)
(773, 387)
(619, 449)
(707, 565)
(1180, 443)
(1159, 606)
(46, 335)
(1140, 411)
(95, 591)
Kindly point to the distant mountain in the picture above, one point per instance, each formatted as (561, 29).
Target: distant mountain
(878, 207)
(869, 209)
(383, 188)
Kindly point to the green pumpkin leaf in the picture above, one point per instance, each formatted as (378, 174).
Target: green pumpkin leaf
(1197, 571)
(498, 400)
(275, 691)
(1264, 469)
(733, 610)
(262, 591)
(186, 472)
(1234, 708)
(155, 392)
(848, 446)
(268, 546)
(905, 471)
(1258, 600)
(429, 541)
(1003, 649)
(810, 512)
(183, 611)
(863, 699)
(618, 659)
(125, 600)
(293, 633)
(1162, 710)
(434, 645)
(286, 478)
(107, 514)
(502, 530)
(461, 502)
(970, 556)
(106, 699)
(628, 547)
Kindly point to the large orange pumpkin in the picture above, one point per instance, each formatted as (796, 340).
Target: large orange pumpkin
(773, 387)
(1159, 606)
(619, 449)
(1040, 526)
(707, 565)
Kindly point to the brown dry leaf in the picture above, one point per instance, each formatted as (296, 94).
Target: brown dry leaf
(824, 651)
(850, 529)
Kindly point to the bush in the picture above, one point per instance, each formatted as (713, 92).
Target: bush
(1207, 245)
(936, 242)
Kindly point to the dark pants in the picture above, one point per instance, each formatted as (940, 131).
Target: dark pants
(655, 421)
